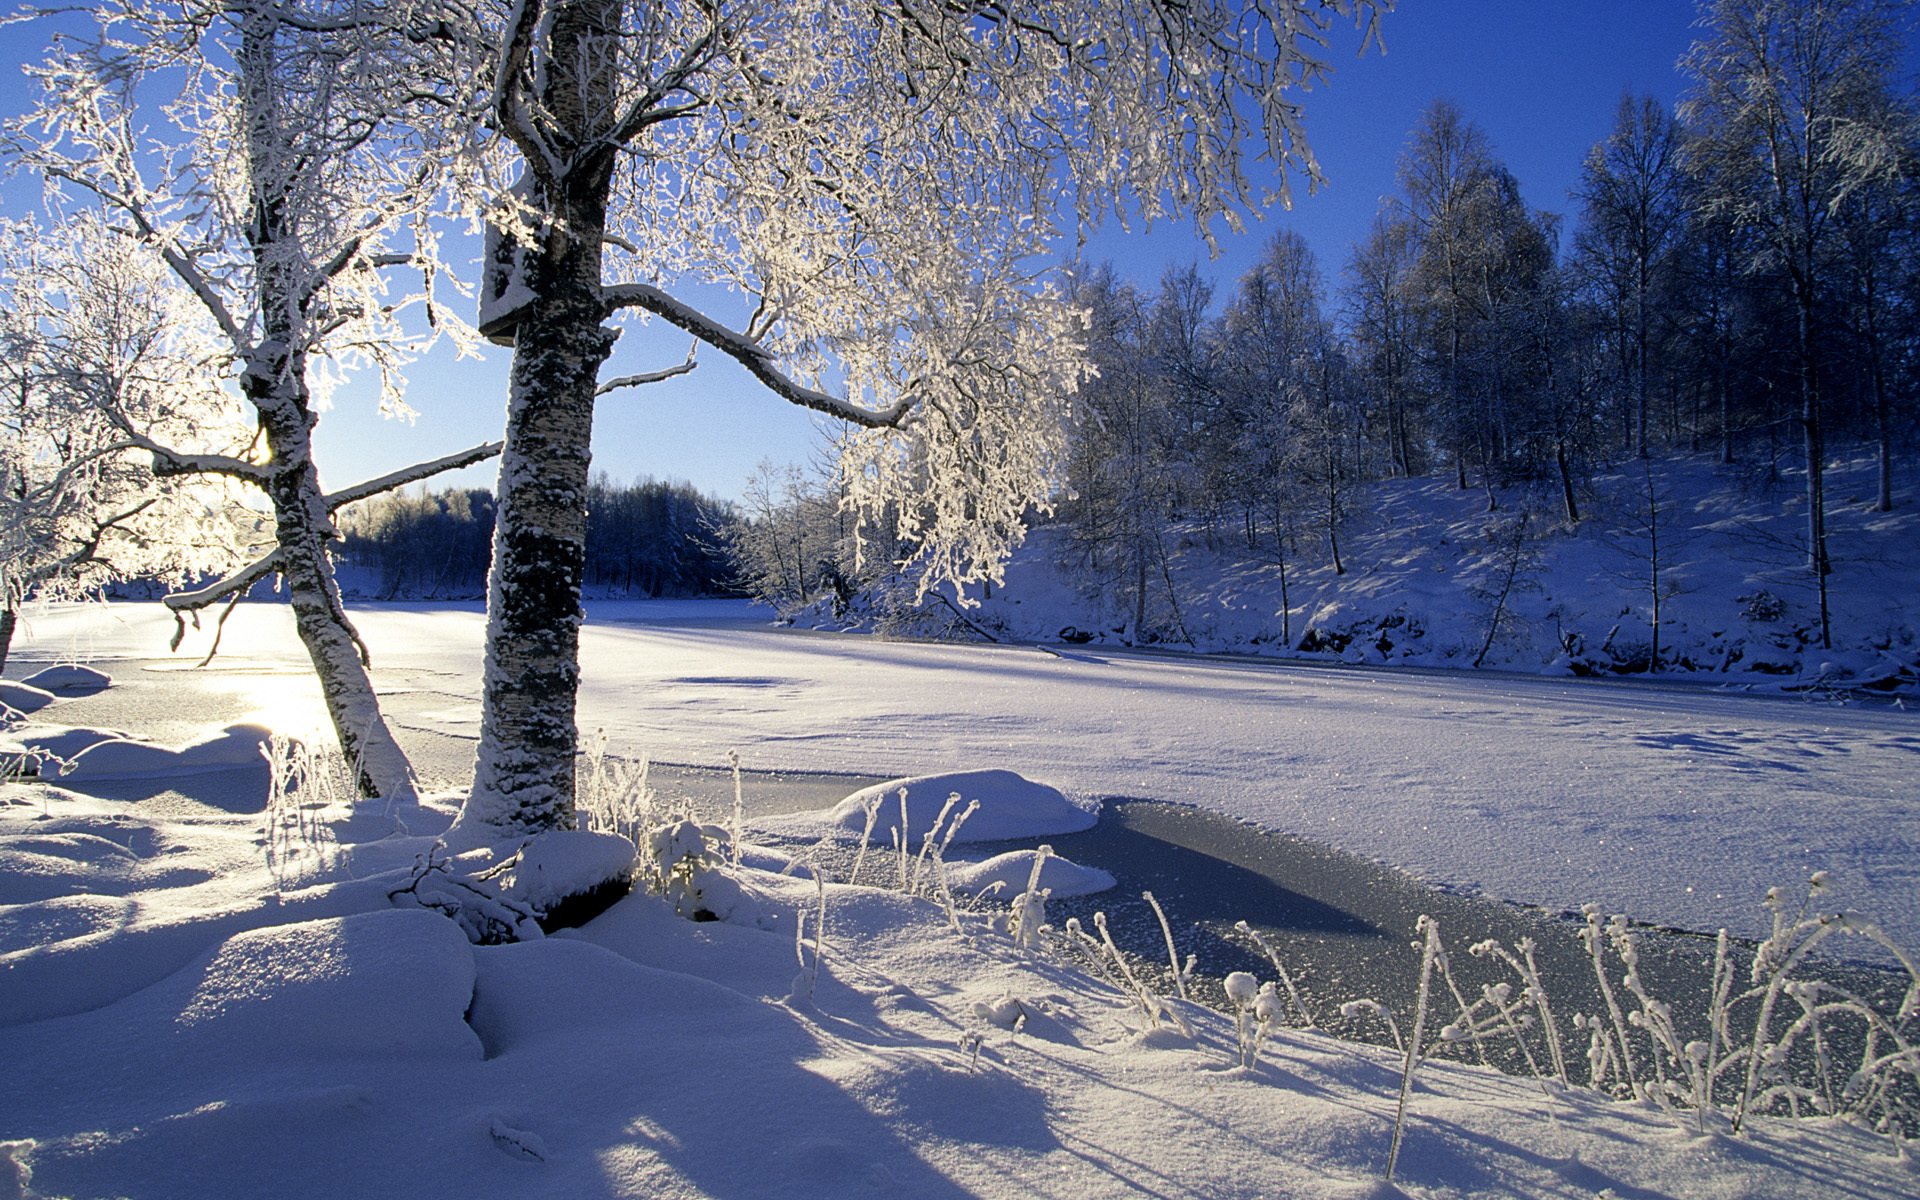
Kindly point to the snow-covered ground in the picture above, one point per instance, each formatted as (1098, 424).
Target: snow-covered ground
(180, 1025)
(1428, 577)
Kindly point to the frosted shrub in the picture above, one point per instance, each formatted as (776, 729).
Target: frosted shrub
(303, 781)
(677, 853)
(474, 903)
(615, 796)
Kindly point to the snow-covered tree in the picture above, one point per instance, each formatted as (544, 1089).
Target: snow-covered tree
(1631, 221)
(255, 147)
(93, 343)
(1790, 115)
(871, 185)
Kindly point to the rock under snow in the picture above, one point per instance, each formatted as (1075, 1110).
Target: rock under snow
(572, 868)
(374, 986)
(234, 746)
(70, 680)
(1011, 806)
(1005, 876)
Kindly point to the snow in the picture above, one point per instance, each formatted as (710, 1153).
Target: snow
(69, 679)
(1005, 876)
(1010, 807)
(181, 1023)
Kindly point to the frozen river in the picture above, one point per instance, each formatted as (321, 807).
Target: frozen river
(1672, 803)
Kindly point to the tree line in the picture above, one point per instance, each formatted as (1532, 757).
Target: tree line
(1741, 279)
(649, 538)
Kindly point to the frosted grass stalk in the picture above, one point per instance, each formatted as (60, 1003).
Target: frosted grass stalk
(739, 809)
(1173, 955)
(1430, 950)
(927, 842)
(872, 809)
(1280, 969)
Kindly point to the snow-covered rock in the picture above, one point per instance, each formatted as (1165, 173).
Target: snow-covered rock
(563, 874)
(1005, 876)
(1011, 807)
(70, 680)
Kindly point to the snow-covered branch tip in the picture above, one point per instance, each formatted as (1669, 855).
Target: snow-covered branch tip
(234, 584)
(758, 362)
(649, 377)
(413, 474)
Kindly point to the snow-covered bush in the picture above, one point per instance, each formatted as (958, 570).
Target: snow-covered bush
(677, 855)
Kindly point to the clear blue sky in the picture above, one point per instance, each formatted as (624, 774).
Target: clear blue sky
(1541, 77)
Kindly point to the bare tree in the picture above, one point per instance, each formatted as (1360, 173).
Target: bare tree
(1631, 219)
(254, 146)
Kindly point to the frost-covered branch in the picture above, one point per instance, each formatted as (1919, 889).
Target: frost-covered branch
(234, 584)
(756, 359)
(413, 474)
(650, 377)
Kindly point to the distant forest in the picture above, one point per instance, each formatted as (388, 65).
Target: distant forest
(1719, 293)
(647, 538)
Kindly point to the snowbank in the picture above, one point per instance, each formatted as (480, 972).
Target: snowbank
(234, 746)
(1011, 807)
(22, 698)
(1005, 876)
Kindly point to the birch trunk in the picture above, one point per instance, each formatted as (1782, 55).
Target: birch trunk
(524, 774)
(302, 529)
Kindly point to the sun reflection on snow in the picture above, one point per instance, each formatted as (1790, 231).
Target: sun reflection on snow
(289, 704)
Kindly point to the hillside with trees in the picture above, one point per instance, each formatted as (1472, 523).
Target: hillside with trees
(1737, 290)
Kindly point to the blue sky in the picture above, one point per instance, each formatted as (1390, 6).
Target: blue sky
(1541, 77)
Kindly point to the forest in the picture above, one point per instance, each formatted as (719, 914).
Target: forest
(644, 539)
(1707, 300)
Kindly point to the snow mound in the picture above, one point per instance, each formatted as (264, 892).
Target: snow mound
(1005, 875)
(70, 680)
(553, 988)
(234, 746)
(63, 742)
(1011, 807)
(373, 986)
(570, 862)
(23, 698)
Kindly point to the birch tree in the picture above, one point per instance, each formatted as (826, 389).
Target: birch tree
(1790, 117)
(253, 146)
(92, 339)
(872, 184)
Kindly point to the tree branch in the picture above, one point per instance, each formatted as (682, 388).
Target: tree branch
(642, 380)
(213, 593)
(168, 463)
(413, 474)
(758, 362)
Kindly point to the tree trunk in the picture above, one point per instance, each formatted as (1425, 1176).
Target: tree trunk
(302, 529)
(8, 619)
(524, 776)
(1571, 504)
(1816, 452)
